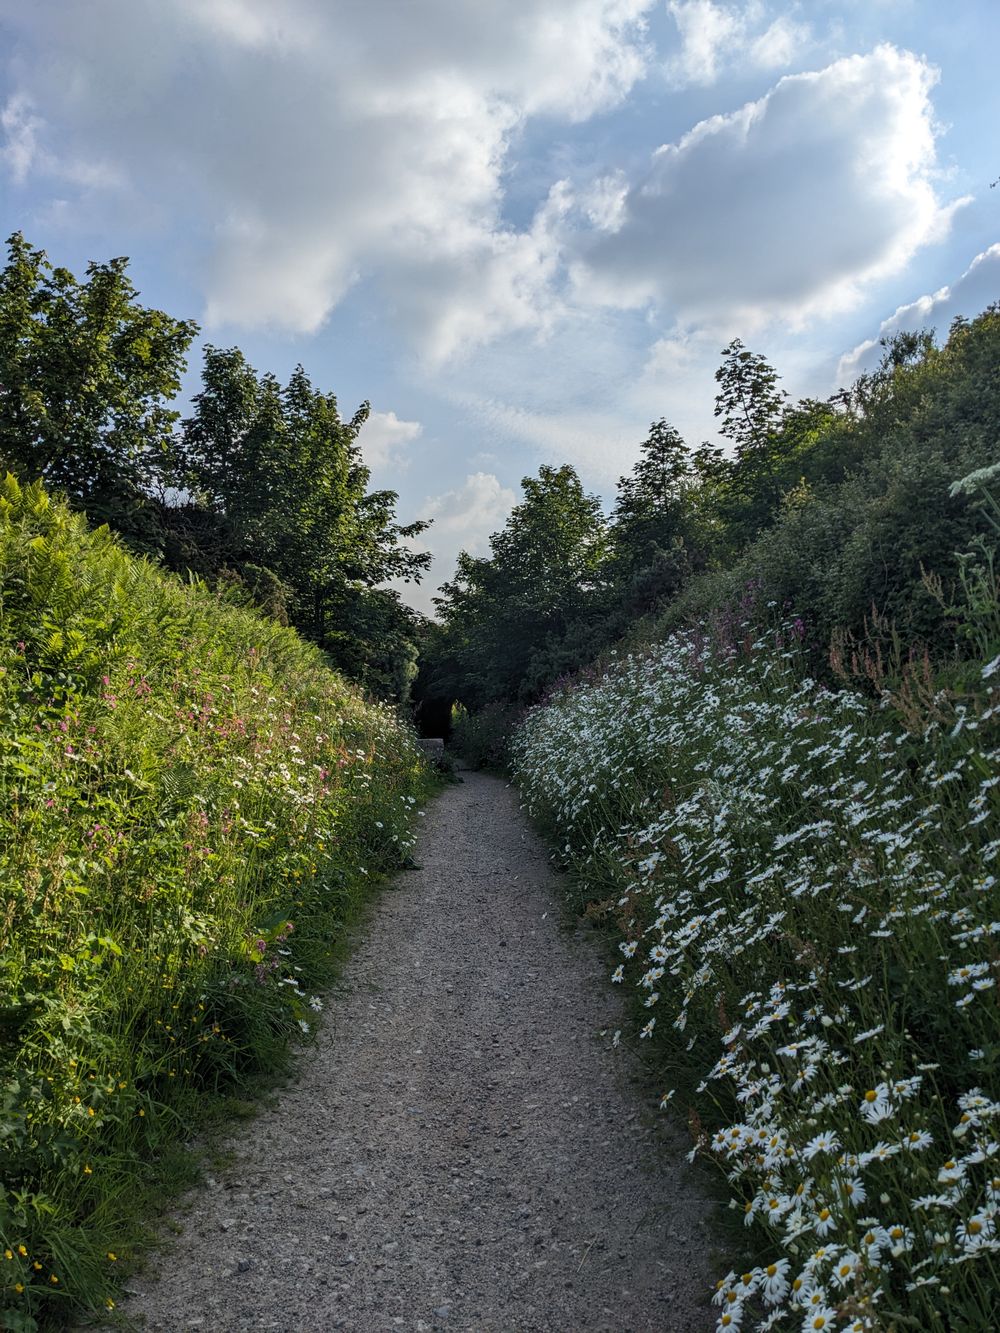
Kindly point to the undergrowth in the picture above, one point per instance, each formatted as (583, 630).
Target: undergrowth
(193, 806)
(805, 891)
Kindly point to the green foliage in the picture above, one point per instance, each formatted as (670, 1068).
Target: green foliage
(263, 491)
(652, 543)
(847, 547)
(804, 893)
(506, 616)
(87, 374)
(482, 738)
(840, 512)
(749, 402)
(377, 644)
(284, 478)
(192, 805)
(286, 474)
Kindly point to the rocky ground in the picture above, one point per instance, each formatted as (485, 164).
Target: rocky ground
(462, 1150)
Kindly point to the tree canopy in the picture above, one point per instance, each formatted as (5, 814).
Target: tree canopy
(261, 489)
(839, 509)
(87, 375)
(505, 615)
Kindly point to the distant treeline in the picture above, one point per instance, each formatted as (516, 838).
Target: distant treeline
(839, 512)
(262, 489)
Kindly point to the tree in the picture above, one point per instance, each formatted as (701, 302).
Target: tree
(506, 617)
(749, 402)
(649, 536)
(86, 375)
(372, 636)
(286, 475)
(263, 491)
(752, 407)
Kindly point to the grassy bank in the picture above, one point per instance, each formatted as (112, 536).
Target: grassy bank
(191, 804)
(805, 891)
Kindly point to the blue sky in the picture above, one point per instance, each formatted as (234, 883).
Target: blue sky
(523, 229)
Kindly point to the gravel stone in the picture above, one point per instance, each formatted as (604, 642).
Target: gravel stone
(461, 1150)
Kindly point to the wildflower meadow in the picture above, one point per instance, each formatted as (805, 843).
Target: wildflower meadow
(193, 806)
(803, 884)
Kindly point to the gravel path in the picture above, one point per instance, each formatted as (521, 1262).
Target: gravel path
(461, 1151)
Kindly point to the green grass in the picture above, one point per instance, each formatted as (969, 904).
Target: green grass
(192, 810)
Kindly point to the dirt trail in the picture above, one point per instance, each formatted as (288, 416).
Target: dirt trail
(462, 1151)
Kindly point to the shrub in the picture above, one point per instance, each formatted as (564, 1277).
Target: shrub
(481, 738)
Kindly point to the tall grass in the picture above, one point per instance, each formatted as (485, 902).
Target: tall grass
(805, 890)
(191, 805)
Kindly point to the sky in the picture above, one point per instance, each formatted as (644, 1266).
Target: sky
(521, 229)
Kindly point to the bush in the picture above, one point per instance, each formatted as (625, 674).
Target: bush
(192, 803)
(482, 738)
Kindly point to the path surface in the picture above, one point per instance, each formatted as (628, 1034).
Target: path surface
(462, 1150)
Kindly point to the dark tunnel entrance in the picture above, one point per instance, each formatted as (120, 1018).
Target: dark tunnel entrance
(433, 718)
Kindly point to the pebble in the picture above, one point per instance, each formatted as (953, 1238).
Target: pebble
(488, 1149)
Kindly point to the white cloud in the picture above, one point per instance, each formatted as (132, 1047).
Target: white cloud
(320, 141)
(977, 288)
(779, 43)
(707, 32)
(20, 128)
(479, 285)
(716, 37)
(384, 439)
(464, 519)
(262, 25)
(785, 208)
(25, 154)
(601, 445)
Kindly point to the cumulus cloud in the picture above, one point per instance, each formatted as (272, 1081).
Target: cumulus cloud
(464, 519)
(707, 32)
(20, 128)
(384, 440)
(480, 285)
(317, 143)
(786, 207)
(977, 288)
(713, 37)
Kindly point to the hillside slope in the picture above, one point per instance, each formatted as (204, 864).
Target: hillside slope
(191, 804)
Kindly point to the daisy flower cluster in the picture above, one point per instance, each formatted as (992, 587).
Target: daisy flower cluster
(806, 892)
